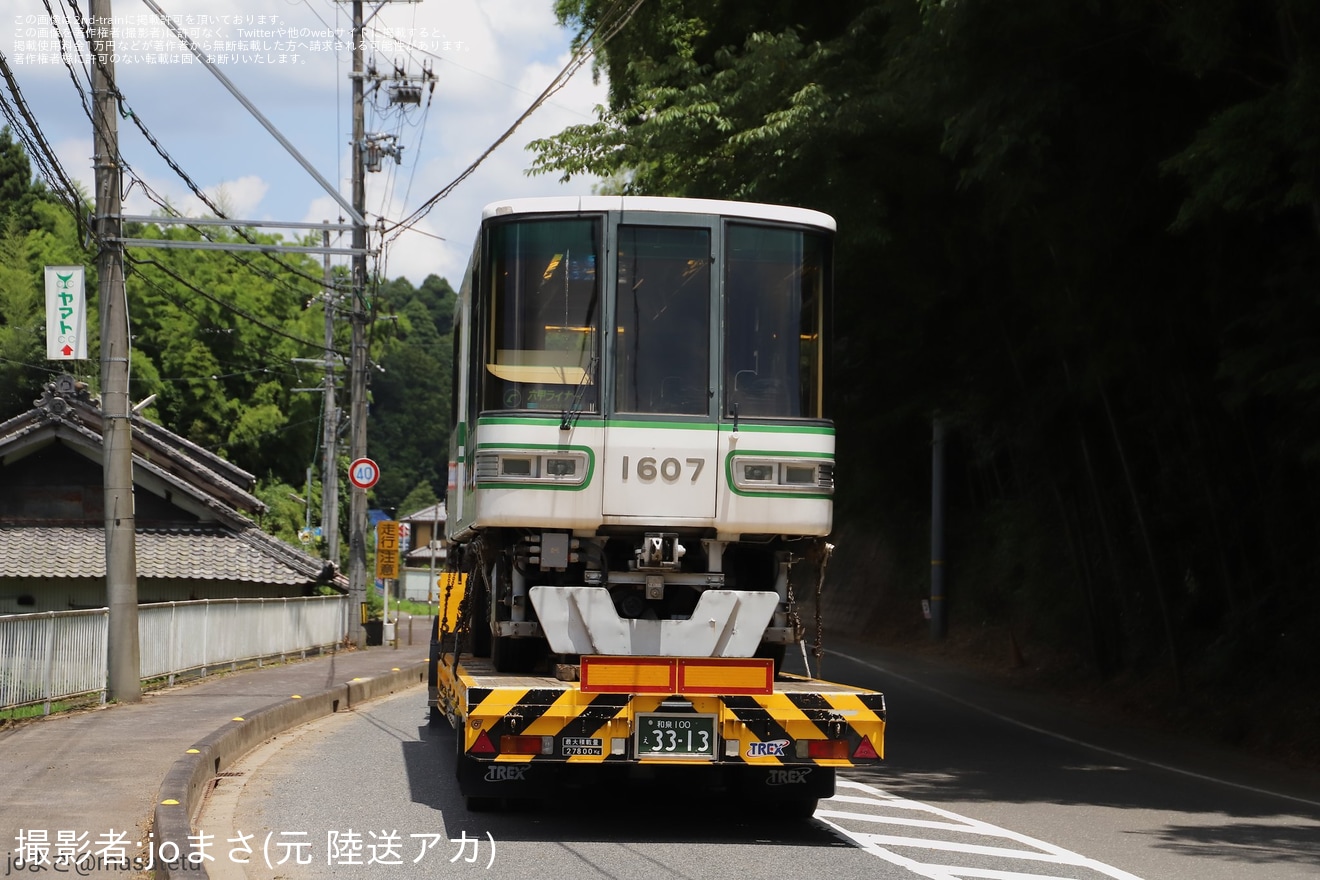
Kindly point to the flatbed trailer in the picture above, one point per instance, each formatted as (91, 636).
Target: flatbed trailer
(641, 484)
(708, 724)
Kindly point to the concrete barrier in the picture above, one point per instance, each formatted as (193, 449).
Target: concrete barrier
(362, 689)
(192, 776)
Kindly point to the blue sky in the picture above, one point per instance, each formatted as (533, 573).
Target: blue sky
(491, 58)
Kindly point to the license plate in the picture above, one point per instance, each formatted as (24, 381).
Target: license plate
(676, 736)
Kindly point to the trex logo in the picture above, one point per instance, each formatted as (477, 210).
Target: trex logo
(772, 749)
(506, 773)
(788, 777)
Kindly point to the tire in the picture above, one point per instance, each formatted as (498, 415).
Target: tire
(476, 804)
(800, 809)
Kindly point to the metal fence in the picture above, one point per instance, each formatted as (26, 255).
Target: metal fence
(61, 654)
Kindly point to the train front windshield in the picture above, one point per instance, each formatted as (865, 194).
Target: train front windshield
(661, 299)
(542, 350)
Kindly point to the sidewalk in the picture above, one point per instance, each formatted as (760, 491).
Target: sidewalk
(94, 777)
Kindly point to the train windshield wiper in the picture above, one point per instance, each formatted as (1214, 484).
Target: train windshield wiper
(570, 416)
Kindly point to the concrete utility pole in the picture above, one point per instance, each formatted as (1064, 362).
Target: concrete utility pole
(124, 666)
(357, 507)
(939, 621)
(330, 433)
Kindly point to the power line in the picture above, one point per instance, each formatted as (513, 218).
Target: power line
(34, 141)
(609, 25)
(230, 306)
(177, 169)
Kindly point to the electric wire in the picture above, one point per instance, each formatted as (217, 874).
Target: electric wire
(175, 167)
(27, 129)
(230, 307)
(607, 28)
(205, 323)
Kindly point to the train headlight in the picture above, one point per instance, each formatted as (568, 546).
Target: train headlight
(764, 473)
(561, 467)
(525, 467)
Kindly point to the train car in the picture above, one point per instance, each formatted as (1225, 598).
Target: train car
(640, 443)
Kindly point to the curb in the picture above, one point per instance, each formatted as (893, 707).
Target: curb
(192, 776)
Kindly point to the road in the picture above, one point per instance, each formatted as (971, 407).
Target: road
(978, 782)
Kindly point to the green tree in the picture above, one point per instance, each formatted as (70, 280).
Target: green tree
(19, 191)
(1082, 234)
(410, 408)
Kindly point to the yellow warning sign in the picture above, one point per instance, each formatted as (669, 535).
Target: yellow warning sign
(387, 550)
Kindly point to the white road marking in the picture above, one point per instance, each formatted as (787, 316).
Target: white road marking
(897, 811)
(1080, 742)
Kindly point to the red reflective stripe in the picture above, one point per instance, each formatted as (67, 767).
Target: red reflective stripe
(865, 749)
(483, 745)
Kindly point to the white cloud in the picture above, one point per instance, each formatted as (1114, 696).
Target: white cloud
(490, 57)
(239, 198)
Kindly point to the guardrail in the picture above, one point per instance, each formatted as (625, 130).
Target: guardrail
(61, 654)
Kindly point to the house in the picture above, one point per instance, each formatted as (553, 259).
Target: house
(425, 557)
(196, 536)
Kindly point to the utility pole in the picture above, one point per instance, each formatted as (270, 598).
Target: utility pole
(330, 433)
(357, 507)
(939, 620)
(123, 658)
(366, 151)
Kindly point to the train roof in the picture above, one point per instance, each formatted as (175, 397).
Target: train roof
(655, 204)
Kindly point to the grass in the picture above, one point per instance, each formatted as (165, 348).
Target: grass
(37, 710)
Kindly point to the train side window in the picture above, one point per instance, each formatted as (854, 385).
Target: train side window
(773, 301)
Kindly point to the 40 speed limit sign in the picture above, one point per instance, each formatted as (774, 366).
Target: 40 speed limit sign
(363, 473)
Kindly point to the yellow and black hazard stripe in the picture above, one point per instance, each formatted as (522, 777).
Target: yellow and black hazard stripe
(768, 729)
(854, 719)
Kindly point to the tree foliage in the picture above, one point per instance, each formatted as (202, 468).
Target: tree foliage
(410, 400)
(223, 340)
(1084, 235)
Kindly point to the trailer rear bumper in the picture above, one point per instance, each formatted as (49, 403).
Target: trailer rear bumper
(781, 787)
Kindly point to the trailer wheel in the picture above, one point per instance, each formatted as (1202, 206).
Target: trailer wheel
(800, 808)
(477, 804)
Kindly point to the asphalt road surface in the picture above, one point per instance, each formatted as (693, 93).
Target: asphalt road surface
(977, 783)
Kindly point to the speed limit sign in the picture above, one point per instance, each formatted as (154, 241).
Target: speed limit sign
(363, 473)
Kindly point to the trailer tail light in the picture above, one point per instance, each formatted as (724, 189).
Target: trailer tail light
(527, 745)
(831, 749)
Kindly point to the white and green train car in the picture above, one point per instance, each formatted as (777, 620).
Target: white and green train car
(640, 450)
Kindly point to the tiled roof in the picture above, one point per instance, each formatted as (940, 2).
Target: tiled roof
(225, 546)
(433, 513)
(206, 553)
(74, 417)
